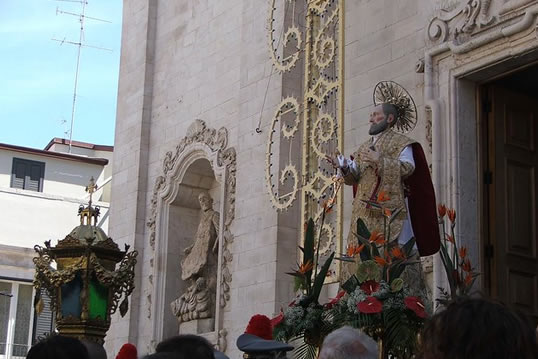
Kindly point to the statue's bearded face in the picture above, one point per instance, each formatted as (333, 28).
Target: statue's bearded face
(205, 201)
(379, 122)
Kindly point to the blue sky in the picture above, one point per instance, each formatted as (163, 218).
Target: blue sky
(37, 74)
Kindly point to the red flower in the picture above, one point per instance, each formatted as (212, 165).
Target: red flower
(336, 299)
(416, 305)
(370, 286)
(260, 326)
(450, 239)
(370, 305)
(278, 319)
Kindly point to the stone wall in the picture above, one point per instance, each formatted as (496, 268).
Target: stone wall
(208, 59)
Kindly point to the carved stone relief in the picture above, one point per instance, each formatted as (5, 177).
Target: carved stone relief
(510, 5)
(203, 279)
(465, 18)
(199, 267)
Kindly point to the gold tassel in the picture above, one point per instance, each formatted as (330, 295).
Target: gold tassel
(39, 306)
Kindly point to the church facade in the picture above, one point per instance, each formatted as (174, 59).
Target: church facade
(211, 94)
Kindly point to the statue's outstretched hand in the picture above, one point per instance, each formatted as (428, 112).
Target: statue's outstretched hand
(333, 161)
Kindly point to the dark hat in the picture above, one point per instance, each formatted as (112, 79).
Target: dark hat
(253, 344)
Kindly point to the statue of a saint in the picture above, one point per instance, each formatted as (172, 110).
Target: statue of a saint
(199, 267)
(393, 163)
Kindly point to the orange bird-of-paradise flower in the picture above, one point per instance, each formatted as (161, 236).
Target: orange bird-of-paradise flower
(451, 214)
(441, 209)
(462, 252)
(387, 212)
(397, 252)
(466, 266)
(305, 267)
(381, 261)
(382, 196)
(352, 250)
(377, 238)
(450, 238)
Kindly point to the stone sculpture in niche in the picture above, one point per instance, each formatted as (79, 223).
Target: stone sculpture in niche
(199, 267)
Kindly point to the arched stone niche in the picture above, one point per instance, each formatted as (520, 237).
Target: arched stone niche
(200, 163)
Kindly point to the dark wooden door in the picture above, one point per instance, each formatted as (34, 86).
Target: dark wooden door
(513, 198)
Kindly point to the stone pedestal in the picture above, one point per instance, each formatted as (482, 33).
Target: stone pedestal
(199, 326)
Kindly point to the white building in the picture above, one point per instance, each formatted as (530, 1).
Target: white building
(40, 192)
(200, 92)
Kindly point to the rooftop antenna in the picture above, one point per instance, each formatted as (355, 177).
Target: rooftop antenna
(80, 44)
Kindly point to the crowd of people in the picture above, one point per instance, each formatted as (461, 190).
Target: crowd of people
(470, 328)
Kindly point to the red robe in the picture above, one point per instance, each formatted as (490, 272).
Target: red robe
(422, 205)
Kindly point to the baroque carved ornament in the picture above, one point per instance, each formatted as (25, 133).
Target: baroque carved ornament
(465, 18)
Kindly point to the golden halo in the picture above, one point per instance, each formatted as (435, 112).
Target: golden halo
(392, 93)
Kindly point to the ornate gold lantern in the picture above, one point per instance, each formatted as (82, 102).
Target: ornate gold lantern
(85, 288)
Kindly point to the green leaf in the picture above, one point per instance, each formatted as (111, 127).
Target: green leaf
(296, 274)
(308, 250)
(394, 214)
(449, 267)
(320, 278)
(351, 284)
(365, 254)
(299, 283)
(408, 247)
(362, 230)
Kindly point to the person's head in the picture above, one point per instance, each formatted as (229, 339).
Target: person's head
(206, 202)
(382, 117)
(95, 351)
(477, 328)
(58, 347)
(186, 346)
(348, 343)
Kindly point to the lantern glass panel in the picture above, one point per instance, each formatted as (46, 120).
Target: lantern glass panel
(71, 305)
(98, 300)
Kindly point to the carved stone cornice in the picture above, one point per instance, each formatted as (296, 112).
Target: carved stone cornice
(465, 18)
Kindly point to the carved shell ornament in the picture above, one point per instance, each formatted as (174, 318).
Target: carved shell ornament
(392, 93)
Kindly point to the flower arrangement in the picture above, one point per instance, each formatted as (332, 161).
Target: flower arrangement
(376, 298)
(305, 319)
(460, 273)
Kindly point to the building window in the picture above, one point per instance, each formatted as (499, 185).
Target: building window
(26, 174)
(16, 319)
